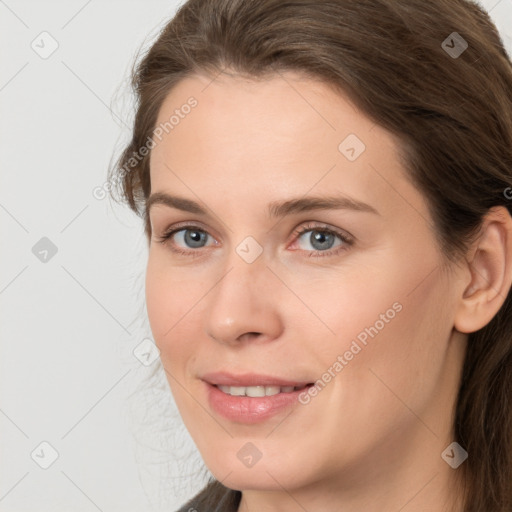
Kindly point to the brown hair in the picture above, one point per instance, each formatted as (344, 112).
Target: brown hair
(451, 113)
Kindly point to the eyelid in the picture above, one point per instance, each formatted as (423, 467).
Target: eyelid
(178, 226)
(171, 230)
(346, 238)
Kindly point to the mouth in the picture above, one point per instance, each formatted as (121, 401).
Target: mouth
(251, 380)
(251, 398)
(260, 391)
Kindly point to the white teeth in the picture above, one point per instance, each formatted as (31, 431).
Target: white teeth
(255, 391)
(236, 390)
(272, 390)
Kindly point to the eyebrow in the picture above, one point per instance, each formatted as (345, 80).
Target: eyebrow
(275, 208)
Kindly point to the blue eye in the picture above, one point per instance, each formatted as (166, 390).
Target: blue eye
(187, 236)
(193, 238)
(320, 240)
(323, 240)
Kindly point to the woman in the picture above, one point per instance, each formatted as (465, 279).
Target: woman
(326, 194)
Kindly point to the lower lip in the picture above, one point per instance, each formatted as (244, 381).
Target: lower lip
(246, 409)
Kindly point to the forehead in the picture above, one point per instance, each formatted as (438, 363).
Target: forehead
(282, 133)
(276, 111)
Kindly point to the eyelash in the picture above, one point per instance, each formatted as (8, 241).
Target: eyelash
(346, 239)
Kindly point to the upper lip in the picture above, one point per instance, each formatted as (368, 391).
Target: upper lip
(249, 379)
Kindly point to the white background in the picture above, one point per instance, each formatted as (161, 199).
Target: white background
(69, 325)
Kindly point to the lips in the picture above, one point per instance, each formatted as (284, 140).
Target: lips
(257, 391)
(251, 379)
(251, 398)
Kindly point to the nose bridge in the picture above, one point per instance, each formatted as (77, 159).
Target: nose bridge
(240, 300)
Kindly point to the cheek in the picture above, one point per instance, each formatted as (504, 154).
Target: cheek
(391, 326)
(394, 361)
(402, 357)
(350, 307)
(159, 302)
(170, 307)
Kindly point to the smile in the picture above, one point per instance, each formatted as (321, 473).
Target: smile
(258, 391)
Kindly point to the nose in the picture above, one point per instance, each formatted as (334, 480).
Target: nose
(244, 305)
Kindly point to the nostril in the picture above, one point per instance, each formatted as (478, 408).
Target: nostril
(249, 336)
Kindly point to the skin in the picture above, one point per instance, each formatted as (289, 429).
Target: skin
(372, 438)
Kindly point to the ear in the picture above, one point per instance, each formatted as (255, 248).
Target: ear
(489, 270)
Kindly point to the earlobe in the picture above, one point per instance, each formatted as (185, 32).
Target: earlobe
(489, 263)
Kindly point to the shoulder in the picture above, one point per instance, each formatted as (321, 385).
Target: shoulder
(213, 498)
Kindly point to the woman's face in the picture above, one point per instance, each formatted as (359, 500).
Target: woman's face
(301, 254)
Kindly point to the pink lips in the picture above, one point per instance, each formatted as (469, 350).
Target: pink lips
(249, 379)
(245, 409)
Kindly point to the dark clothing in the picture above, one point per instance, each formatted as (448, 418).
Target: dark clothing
(214, 498)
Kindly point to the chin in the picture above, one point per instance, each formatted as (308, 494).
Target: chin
(265, 474)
